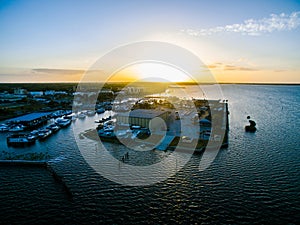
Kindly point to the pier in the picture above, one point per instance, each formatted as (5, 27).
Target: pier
(165, 143)
(41, 164)
(31, 120)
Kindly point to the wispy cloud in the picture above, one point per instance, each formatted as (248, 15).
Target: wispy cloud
(253, 27)
(57, 71)
(229, 67)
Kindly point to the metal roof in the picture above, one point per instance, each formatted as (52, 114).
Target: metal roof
(30, 117)
(143, 113)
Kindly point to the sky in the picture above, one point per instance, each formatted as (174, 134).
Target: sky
(238, 41)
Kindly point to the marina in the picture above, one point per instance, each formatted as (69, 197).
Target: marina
(139, 124)
(253, 177)
(150, 112)
(159, 127)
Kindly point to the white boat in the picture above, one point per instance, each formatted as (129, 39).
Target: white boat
(63, 122)
(19, 139)
(108, 128)
(33, 134)
(4, 127)
(91, 113)
(100, 110)
(53, 127)
(16, 128)
(72, 116)
(81, 115)
(43, 134)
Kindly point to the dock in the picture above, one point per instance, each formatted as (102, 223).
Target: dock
(165, 143)
(42, 164)
(212, 118)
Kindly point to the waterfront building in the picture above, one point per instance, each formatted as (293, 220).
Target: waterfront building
(134, 90)
(36, 93)
(52, 92)
(32, 119)
(20, 91)
(141, 117)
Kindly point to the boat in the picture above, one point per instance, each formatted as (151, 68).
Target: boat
(91, 113)
(81, 115)
(19, 140)
(16, 128)
(31, 137)
(67, 112)
(4, 127)
(53, 127)
(108, 128)
(58, 113)
(103, 120)
(43, 134)
(108, 107)
(100, 110)
(34, 133)
(250, 128)
(135, 127)
(63, 122)
(122, 108)
(108, 135)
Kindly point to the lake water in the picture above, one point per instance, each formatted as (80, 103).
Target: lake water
(254, 181)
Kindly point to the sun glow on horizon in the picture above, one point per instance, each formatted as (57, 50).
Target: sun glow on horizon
(151, 71)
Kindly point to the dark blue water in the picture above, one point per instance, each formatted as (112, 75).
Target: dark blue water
(254, 181)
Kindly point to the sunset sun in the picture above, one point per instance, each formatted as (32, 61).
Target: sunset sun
(152, 71)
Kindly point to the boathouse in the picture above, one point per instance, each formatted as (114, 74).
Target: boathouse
(32, 119)
(141, 117)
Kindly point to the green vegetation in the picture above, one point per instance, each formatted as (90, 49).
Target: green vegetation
(38, 86)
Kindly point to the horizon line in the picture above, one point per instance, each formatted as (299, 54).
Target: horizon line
(180, 83)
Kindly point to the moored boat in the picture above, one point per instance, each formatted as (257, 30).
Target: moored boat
(63, 122)
(19, 140)
(81, 115)
(53, 127)
(4, 127)
(17, 128)
(100, 110)
(43, 134)
(91, 113)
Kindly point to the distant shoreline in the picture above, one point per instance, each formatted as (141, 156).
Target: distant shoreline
(186, 83)
(124, 83)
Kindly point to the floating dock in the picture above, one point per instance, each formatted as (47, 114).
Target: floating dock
(165, 143)
(41, 164)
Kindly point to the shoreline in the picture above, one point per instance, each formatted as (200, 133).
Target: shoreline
(124, 83)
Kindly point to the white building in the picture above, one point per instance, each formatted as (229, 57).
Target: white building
(20, 91)
(36, 93)
(52, 92)
(134, 90)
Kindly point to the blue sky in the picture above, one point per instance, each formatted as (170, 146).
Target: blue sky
(72, 35)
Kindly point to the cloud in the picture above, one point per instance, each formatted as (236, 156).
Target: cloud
(275, 22)
(66, 74)
(57, 71)
(229, 67)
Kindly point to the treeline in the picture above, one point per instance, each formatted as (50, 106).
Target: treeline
(155, 87)
(38, 86)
